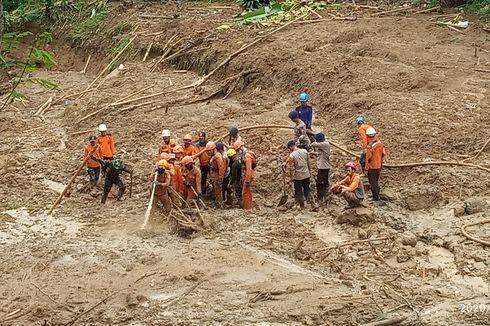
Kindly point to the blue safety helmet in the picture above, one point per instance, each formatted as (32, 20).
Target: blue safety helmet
(291, 143)
(92, 138)
(360, 120)
(319, 137)
(220, 146)
(293, 114)
(233, 131)
(303, 97)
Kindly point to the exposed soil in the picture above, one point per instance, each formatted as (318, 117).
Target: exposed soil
(413, 80)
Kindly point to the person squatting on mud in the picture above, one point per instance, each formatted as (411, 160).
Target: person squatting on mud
(113, 169)
(351, 187)
(93, 166)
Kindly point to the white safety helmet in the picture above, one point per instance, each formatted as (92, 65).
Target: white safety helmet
(370, 131)
(102, 127)
(166, 133)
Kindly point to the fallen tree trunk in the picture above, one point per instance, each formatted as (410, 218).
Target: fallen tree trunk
(386, 322)
(387, 165)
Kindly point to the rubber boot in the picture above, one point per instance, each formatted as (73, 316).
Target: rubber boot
(104, 197)
(120, 194)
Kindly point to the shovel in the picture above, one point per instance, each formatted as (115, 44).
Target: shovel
(284, 197)
(200, 200)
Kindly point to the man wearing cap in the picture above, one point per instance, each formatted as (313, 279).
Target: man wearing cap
(304, 110)
(93, 166)
(299, 173)
(322, 150)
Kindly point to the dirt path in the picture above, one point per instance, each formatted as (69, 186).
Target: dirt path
(416, 82)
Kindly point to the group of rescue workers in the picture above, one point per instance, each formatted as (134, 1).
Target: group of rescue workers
(183, 170)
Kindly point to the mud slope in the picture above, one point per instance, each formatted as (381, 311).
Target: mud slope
(93, 265)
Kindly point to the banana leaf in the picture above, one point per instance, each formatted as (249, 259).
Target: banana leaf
(259, 14)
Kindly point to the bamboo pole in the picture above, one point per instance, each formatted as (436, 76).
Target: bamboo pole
(110, 63)
(150, 204)
(398, 165)
(72, 179)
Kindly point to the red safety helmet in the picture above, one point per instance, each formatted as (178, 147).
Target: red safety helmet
(238, 144)
(187, 160)
(210, 146)
(352, 165)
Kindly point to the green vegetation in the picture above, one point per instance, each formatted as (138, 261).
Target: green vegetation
(481, 8)
(35, 57)
(277, 12)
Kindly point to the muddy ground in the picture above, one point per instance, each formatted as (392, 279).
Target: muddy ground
(93, 265)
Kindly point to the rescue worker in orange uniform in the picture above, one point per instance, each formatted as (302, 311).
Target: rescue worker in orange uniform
(362, 126)
(351, 187)
(177, 181)
(93, 166)
(217, 172)
(189, 148)
(203, 160)
(192, 179)
(106, 144)
(167, 144)
(162, 184)
(375, 153)
(249, 160)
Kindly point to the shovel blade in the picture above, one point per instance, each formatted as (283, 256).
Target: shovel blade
(283, 200)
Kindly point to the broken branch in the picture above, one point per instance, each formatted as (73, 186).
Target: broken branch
(463, 231)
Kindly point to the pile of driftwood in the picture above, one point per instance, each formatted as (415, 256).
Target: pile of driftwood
(185, 221)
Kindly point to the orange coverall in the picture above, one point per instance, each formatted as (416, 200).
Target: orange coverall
(91, 163)
(107, 146)
(217, 175)
(248, 161)
(190, 150)
(193, 178)
(167, 148)
(161, 190)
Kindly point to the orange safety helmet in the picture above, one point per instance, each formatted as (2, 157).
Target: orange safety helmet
(164, 156)
(210, 146)
(162, 163)
(351, 165)
(178, 149)
(187, 160)
(188, 137)
(238, 144)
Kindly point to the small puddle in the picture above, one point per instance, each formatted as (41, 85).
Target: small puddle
(53, 185)
(27, 227)
(279, 261)
(327, 234)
